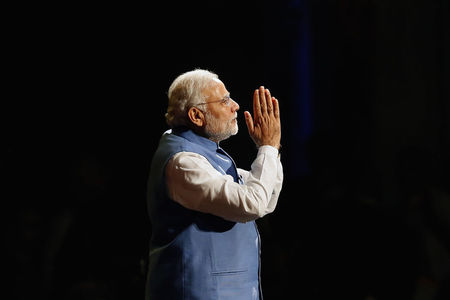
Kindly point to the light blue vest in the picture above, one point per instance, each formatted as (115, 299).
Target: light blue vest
(195, 255)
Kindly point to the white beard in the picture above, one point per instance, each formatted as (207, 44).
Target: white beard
(215, 130)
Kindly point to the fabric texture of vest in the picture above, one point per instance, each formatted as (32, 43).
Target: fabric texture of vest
(194, 255)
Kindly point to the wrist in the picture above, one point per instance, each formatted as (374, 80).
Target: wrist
(278, 148)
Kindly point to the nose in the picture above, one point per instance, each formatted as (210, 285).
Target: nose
(234, 105)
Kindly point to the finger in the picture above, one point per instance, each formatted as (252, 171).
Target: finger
(256, 105)
(276, 108)
(262, 100)
(249, 122)
(269, 102)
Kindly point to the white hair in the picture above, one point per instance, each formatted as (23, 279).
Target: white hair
(186, 91)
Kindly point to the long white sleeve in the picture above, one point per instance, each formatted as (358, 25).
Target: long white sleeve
(194, 183)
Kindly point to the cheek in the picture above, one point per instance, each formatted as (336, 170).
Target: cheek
(222, 117)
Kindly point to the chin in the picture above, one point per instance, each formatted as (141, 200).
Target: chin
(220, 135)
(235, 130)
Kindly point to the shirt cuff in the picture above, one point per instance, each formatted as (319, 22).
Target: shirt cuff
(268, 150)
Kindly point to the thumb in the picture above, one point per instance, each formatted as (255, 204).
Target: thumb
(249, 121)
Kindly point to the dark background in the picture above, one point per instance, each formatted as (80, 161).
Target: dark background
(365, 101)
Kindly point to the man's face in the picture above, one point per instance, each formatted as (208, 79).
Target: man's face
(220, 116)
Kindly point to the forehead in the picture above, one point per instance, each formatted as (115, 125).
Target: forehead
(216, 89)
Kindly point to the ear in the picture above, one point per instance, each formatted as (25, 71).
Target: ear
(196, 116)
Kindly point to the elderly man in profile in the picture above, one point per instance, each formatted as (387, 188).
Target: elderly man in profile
(202, 207)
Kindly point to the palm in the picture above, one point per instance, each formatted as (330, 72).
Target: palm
(265, 127)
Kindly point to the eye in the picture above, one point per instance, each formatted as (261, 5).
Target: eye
(226, 100)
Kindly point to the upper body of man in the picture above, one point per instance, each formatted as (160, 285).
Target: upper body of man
(205, 244)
